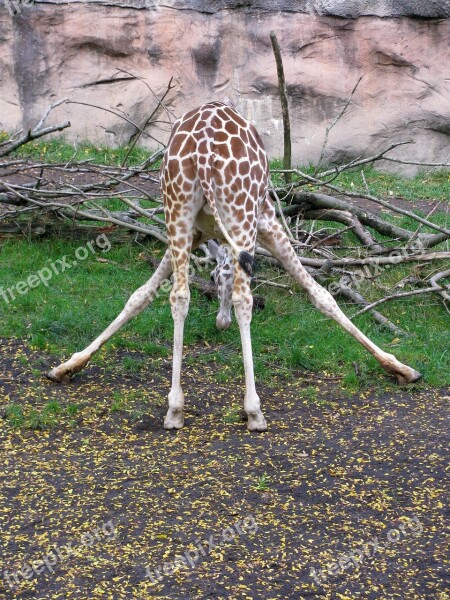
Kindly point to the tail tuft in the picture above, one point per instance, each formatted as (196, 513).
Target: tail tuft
(247, 262)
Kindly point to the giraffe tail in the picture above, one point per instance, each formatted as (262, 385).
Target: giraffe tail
(247, 262)
(245, 259)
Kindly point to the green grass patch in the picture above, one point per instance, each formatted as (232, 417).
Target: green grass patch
(46, 418)
(57, 150)
(289, 334)
(65, 314)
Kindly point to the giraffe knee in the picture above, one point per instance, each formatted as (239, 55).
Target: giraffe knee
(179, 301)
(243, 303)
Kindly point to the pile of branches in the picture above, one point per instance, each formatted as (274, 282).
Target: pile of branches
(38, 196)
(341, 268)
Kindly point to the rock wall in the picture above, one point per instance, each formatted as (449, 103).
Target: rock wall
(92, 51)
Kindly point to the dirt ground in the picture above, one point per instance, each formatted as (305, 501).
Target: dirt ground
(345, 496)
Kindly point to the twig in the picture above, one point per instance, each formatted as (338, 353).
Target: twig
(357, 162)
(148, 120)
(339, 116)
(270, 283)
(47, 112)
(357, 298)
(401, 295)
(282, 217)
(117, 114)
(422, 164)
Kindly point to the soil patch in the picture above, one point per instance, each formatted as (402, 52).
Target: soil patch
(345, 496)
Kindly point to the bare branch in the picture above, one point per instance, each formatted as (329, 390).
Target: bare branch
(357, 298)
(339, 116)
(117, 114)
(149, 119)
(33, 135)
(401, 295)
(396, 209)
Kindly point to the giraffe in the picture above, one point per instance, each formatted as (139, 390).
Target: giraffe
(214, 180)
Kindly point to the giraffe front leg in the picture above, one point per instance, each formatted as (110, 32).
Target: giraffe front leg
(243, 302)
(139, 300)
(275, 240)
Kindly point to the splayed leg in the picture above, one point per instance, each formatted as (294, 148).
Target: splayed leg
(141, 298)
(273, 238)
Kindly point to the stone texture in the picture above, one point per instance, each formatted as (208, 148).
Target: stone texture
(217, 49)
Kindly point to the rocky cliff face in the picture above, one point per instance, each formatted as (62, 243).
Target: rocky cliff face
(94, 52)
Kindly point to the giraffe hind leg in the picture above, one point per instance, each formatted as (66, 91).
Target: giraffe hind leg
(243, 302)
(179, 303)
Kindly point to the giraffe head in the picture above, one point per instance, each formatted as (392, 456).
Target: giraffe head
(223, 276)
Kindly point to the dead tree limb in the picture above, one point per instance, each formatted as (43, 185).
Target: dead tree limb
(353, 223)
(401, 295)
(33, 134)
(384, 203)
(314, 200)
(348, 292)
(287, 156)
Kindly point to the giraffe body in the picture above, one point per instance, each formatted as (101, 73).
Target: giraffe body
(214, 180)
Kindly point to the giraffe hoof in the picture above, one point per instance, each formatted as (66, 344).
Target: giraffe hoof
(410, 378)
(58, 378)
(256, 422)
(174, 419)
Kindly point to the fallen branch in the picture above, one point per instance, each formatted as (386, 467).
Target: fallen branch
(384, 203)
(33, 135)
(357, 298)
(401, 295)
(314, 200)
(352, 222)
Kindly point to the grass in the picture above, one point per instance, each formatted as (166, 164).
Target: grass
(263, 483)
(289, 334)
(57, 150)
(48, 417)
(426, 185)
(64, 314)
